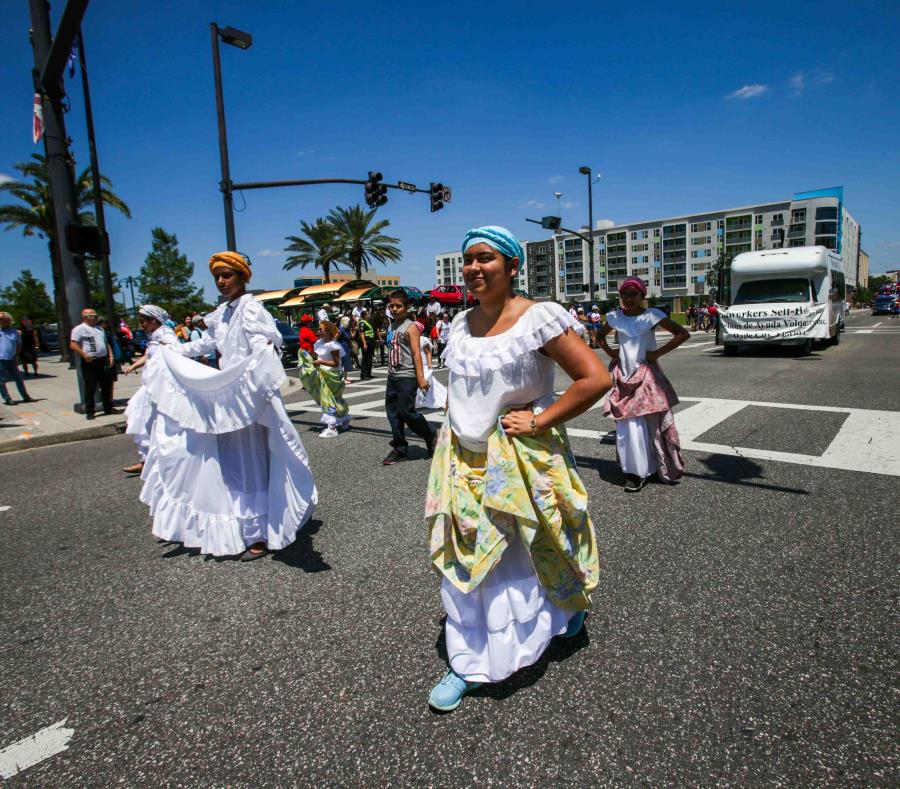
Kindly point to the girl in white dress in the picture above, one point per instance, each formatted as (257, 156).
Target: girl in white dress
(140, 412)
(646, 439)
(329, 389)
(435, 396)
(510, 534)
(226, 471)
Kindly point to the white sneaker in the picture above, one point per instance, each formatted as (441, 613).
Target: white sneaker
(328, 432)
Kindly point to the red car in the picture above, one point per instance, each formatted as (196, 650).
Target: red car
(450, 295)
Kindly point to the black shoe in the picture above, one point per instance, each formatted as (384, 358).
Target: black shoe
(29, 399)
(633, 483)
(89, 416)
(9, 402)
(393, 457)
(113, 411)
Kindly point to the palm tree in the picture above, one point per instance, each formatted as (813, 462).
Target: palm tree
(36, 216)
(361, 243)
(319, 249)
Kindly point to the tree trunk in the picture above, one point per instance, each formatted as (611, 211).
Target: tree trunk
(59, 301)
(326, 271)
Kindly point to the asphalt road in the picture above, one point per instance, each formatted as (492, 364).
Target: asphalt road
(744, 632)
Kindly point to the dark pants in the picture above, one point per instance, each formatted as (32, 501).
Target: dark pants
(367, 353)
(381, 347)
(10, 372)
(440, 352)
(97, 373)
(400, 404)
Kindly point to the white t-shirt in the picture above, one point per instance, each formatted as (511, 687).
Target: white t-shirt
(573, 312)
(356, 312)
(322, 315)
(443, 328)
(490, 374)
(636, 337)
(596, 318)
(323, 349)
(91, 339)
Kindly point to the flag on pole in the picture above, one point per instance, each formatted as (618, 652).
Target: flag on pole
(37, 120)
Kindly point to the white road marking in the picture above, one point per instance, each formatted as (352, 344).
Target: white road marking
(4, 508)
(862, 331)
(26, 753)
(876, 325)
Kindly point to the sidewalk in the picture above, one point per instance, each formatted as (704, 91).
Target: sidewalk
(52, 419)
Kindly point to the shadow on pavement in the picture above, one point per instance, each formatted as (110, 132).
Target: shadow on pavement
(608, 470)
(301, 553)
(739, 471)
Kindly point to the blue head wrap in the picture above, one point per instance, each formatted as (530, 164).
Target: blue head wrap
(497, 237)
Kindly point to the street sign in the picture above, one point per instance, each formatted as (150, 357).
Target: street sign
(406, 186)
(447, 194)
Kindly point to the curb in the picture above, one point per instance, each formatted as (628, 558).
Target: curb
(33, 442)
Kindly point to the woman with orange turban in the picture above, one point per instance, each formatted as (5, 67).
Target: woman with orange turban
(226, 471)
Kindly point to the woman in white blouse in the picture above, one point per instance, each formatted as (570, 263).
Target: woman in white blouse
(502, 608)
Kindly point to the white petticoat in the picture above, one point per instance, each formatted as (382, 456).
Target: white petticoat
(634, 447)
(504, 624)
(436, 396)
(224, 467)
(140, 414)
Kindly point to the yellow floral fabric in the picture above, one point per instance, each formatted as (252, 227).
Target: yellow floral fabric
(324, 384)
(527, 484)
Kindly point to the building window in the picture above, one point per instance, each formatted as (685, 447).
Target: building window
(758, 219)
(826, 212)
(699, 227)
(655, 232)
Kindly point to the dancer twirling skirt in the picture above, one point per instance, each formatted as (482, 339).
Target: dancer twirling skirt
(226, 471)
(642, 399)
(140, 412)
(323, 378)
(507, 511)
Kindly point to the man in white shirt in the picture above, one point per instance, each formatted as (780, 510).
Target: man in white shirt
(322, 314)
(89, 342)
(434, 307)
(357, 311)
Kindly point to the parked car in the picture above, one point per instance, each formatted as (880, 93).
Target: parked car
(382, 293)
(290, 347)
(450, 295)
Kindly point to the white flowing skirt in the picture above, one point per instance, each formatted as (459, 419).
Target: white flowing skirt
(436, 396)
(634, 447)
(504, 624)
(224, 467)
(140, 414)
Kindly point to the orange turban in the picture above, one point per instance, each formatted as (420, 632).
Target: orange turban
(233, 260)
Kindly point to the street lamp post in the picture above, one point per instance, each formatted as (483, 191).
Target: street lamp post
(241, 40)
(587, 171)
(129, 281)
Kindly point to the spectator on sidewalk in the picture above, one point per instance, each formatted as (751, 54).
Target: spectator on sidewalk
(322, 314)
(366, 345)
(89, 342)
(10, 345)
(28, 349)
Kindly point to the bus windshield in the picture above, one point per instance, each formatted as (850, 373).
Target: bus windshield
(771, 291)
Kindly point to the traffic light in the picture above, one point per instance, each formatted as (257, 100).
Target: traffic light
(437, 196)
(86, 240)
(376, 192)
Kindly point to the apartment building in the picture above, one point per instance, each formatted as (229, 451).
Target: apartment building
(675, 256)
(448, 268)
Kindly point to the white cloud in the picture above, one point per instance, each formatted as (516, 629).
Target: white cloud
(748, 92)
(270, 253)
(555, 179)
(533, 204)
(569, 204)
(5, 179)
(305, 154)
(798, 83)
(801, 80)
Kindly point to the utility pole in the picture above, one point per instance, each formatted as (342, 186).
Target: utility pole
(74, 292)
(129, 281)
(225, 184)
(98, 197)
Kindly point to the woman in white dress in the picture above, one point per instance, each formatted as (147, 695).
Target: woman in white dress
(510, 534)
(642, 400)
(435, 396)
(140, 413)
(225, 470)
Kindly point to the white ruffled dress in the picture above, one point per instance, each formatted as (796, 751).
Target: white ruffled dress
(507, 621)
(225, 467)
(140, 412)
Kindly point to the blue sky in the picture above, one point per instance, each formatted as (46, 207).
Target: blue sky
(682, 107)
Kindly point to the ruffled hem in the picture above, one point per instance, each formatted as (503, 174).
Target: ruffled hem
(216, 401)
(139, 419)
(334, 421)
(465, 358)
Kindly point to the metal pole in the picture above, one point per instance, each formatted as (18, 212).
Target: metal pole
(98, 197)
(73, 293)
(130, 282)
(225, 184)
(590, 178)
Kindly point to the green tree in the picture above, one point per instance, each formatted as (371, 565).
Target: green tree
(93, 270)
(320, 249)
(34, 215)
(27, 297)
(165, 277)
(362, 241)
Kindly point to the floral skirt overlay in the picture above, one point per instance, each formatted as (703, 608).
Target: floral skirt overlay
(324, 384)
(527, 484)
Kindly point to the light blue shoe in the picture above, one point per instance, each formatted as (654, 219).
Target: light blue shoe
(576, 622)
(448, 693)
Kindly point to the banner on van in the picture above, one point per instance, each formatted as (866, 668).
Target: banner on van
(758, 322)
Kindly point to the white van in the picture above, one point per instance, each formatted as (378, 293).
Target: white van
(784, 296)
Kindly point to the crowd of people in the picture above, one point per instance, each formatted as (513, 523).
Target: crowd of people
(511, 538)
